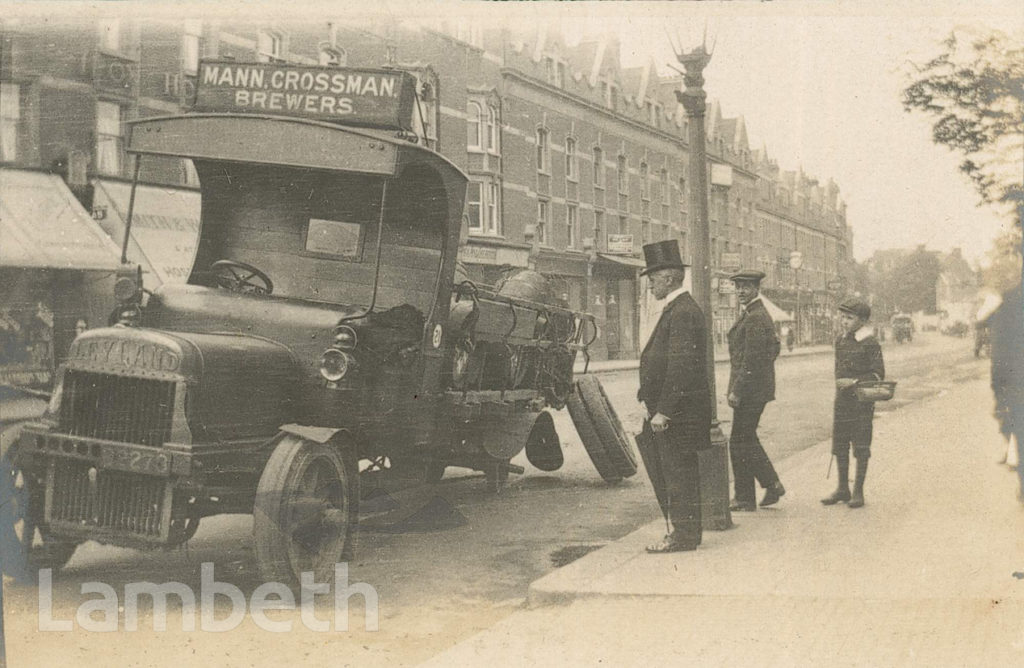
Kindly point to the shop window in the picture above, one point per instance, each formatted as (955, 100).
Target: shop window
(474, 127)
(543, 151)
(10, 117)
(598, 168)
(190, 37)
(108, 138)
(572, 226)
(571, 168)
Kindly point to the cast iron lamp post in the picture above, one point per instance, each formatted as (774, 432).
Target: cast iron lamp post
(714, 463)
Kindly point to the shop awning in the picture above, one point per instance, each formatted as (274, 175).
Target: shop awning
(624, 260)
(165, 227)
(777, 314)
(43, 226)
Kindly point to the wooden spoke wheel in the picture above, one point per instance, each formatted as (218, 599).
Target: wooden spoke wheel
(306, 510)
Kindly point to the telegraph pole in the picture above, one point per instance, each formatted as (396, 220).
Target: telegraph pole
(714, 463)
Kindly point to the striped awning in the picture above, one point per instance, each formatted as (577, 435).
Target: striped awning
(43, 226)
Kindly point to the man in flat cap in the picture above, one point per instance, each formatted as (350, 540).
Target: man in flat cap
(858, 357)
(675, 391)
(753, 348)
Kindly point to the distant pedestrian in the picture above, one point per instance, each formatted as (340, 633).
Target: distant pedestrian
(753, 348)
(1006, 332)
(858, 357)
(789, 338)
(675, 391)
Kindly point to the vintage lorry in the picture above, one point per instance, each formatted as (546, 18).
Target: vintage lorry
(326, 340)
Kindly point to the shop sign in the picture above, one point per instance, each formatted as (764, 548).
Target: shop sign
(112, 74)
(479, 254)
(731, 261)
(620, 243)
(366, 97)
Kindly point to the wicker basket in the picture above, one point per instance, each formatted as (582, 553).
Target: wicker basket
(869, 391)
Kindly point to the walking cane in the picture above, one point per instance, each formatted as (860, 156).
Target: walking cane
(828, 471)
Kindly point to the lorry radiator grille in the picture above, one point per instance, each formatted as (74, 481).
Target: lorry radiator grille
(116, 408)
(116, 501)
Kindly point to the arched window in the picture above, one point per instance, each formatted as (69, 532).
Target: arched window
(474, 129)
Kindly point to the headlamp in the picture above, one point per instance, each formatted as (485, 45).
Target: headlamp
(345, 337)
(334, 364)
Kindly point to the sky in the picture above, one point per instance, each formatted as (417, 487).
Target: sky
(817, 83)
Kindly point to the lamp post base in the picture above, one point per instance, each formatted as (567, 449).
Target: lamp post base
(714, 482)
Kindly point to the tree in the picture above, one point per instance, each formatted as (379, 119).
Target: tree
(975, 90)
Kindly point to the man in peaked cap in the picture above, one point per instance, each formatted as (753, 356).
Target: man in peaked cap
(675, 391)
(753, 348)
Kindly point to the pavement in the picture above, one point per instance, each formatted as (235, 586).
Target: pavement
(721, 357)
(929, 573)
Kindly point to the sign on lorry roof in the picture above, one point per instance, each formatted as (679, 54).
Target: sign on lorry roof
(365, 97)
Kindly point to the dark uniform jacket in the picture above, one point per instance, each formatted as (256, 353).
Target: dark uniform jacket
(753, 348)
(859, 356)
(674, 373)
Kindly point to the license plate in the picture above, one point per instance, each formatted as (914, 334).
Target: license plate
(137, 461)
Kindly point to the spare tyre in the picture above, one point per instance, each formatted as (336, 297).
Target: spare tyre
(600, 430)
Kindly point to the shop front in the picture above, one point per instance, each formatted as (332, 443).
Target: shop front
(56, 279)
(616, 301)
(165, 226)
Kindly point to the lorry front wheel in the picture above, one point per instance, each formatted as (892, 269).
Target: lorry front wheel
(24, 544)
(306, 510)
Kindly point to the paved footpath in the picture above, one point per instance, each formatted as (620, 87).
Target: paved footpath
(929, 573)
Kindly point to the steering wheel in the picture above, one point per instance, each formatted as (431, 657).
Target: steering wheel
(237, 277)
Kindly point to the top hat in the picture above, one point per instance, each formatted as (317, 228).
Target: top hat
(855, 307)
(662, 255)
(747, 275)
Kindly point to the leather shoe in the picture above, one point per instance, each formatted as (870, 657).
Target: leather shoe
(742, 506)
(669, 544)
(773, 494)
(836, 496)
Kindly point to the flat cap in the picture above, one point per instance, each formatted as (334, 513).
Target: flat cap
(749, 275)
(856, 307)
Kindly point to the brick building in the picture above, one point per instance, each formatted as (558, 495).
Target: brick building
(574, 160)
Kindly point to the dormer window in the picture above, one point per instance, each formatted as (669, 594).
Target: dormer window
(269, 46)
(332, 56)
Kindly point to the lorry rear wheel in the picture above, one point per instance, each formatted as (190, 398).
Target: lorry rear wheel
(306, 511)
(25, 544)
(600, 430)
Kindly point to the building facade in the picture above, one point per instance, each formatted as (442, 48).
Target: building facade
(574, 161)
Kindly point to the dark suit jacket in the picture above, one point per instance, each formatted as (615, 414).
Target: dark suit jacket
(753, 348)
(674, 373)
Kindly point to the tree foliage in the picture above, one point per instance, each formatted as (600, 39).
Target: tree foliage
(974, 89)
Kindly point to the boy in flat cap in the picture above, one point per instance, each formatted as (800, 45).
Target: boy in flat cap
(858, 357)
(753, 348)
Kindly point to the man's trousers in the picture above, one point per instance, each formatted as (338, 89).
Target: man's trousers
(675, 476)
(749, 460)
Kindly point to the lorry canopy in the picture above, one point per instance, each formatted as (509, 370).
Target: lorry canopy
(283, 141)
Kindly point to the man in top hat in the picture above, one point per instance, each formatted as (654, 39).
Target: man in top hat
(675, 391)
(753, 348)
